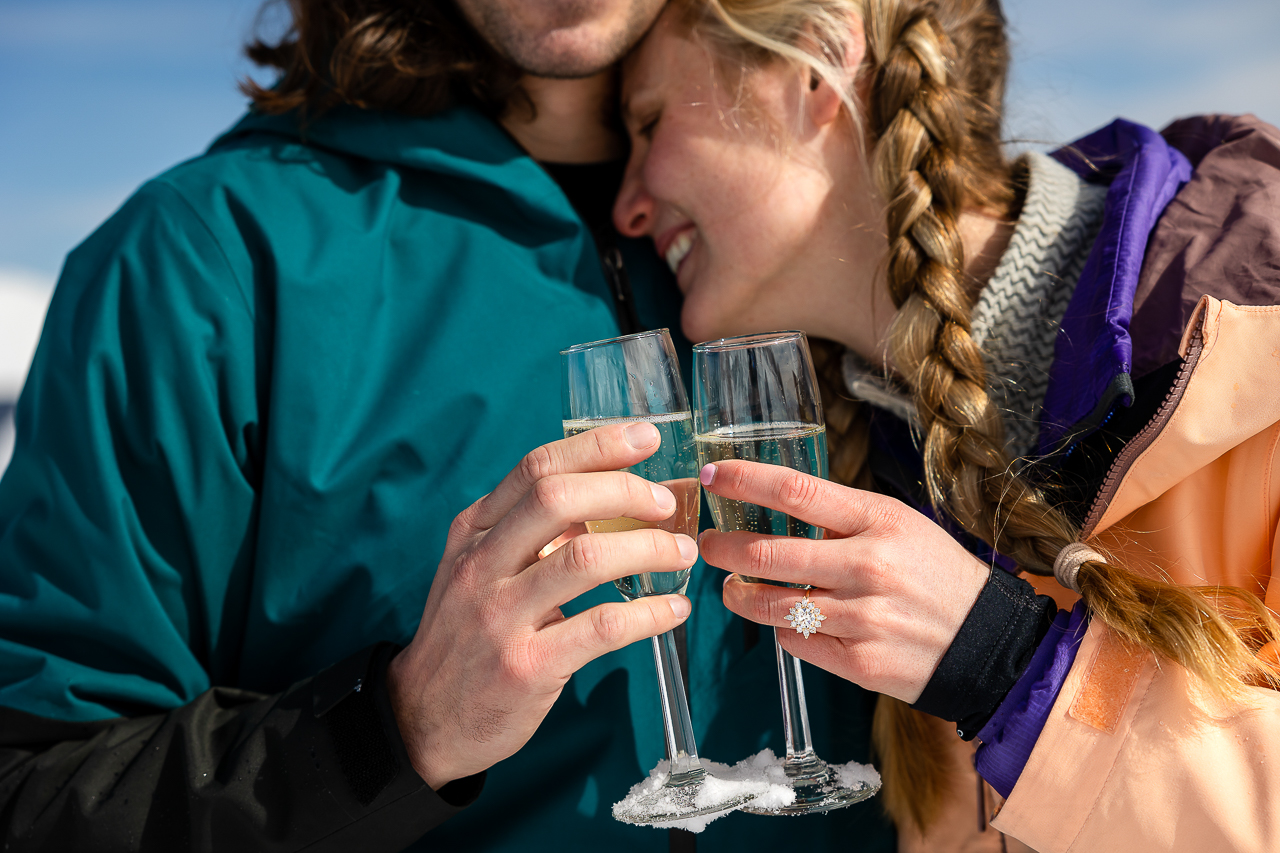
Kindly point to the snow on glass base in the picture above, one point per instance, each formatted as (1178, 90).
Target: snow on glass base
(761, 775)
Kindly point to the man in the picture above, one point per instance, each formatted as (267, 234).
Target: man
(265, 387)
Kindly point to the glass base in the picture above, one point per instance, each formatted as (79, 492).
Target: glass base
(817, 789)
(670, 804)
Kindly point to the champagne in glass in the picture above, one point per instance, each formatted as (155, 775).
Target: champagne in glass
(756, 398)
(671, 466)
(797, 445)
(624, 380)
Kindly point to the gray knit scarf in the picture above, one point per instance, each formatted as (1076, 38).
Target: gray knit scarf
(1016, 318)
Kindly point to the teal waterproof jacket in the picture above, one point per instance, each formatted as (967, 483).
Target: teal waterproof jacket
(264, 389)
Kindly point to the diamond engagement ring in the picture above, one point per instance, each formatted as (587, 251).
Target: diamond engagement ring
(805, 616)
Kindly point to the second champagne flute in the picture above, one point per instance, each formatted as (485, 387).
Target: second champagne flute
(637, 378)
(756, 397)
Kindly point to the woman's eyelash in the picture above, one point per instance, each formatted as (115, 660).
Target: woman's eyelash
(646, 128)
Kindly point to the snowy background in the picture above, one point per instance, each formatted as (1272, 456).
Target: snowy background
(98, 95)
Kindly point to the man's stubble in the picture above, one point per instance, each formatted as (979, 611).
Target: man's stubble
(562, 38)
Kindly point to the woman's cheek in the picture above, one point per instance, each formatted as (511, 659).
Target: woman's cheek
(669, 172)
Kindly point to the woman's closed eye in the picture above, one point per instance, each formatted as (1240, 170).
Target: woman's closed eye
(645, 127)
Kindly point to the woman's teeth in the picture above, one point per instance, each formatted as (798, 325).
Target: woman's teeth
(678, 249)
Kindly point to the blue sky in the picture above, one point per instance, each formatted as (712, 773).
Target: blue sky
(98, 95)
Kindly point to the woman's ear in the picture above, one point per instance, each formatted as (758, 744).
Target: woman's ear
(824, 99)
(823, 102)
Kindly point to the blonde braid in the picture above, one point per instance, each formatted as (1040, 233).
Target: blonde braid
(916, 118)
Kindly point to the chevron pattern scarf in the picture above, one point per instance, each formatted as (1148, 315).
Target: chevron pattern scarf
(1018, 313)
(1016, 318)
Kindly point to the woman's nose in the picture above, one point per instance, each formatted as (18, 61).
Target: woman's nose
(633, 210)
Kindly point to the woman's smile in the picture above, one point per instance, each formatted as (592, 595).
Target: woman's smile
(678, 249)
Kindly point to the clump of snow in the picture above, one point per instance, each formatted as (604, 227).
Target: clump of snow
(763, 768)
(853, 774)
(759, 781)
(649, 803)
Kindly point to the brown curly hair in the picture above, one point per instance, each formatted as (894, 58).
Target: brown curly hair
(409, 56)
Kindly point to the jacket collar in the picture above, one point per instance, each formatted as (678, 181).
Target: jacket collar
(1094, 352)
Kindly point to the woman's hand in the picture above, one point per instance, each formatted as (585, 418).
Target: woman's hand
(894, 586)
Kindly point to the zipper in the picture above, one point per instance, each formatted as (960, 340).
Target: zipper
(1076, 445)
(620, 287)
(1140, 442)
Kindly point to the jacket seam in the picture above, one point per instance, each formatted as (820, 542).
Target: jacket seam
(1124, 217)
(1018, 603)
(213, 238)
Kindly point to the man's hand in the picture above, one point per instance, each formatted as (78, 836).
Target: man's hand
(493, 650)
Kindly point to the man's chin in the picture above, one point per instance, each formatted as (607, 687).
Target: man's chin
(561, 38)
(565, 55)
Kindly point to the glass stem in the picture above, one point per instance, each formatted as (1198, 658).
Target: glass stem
(795, 715)
(681, 749)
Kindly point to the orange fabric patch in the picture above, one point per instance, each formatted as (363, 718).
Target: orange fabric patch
(1107, 685)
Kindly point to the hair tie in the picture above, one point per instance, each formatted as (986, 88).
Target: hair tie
(1070, 558)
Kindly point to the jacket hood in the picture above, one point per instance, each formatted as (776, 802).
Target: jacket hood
(1094, 350)
(1211, 184)
(459, 143)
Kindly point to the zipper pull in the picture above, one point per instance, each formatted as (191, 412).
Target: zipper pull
(613, 267)
(620, 285)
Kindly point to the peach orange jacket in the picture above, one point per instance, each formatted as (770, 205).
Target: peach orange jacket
(1132, 759)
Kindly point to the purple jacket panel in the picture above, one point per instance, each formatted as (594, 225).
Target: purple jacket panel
(1011, 733)
(1093, 353)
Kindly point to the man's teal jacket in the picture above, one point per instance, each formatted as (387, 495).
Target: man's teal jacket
(265, 387)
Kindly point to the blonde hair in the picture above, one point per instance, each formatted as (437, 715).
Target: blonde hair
(933, 114)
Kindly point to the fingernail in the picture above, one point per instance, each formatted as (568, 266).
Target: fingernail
(688, 548)
(641, 436)
(700, 535)
(662, 495)
(680, 606)
(708, 474)
(726, 580)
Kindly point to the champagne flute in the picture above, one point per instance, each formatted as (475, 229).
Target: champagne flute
(624, 380)
(756, 397)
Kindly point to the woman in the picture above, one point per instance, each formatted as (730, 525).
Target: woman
(1085, 350)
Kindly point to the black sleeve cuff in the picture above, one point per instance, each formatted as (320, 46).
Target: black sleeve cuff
(459, 793)
(351, 700)
(988, 655)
